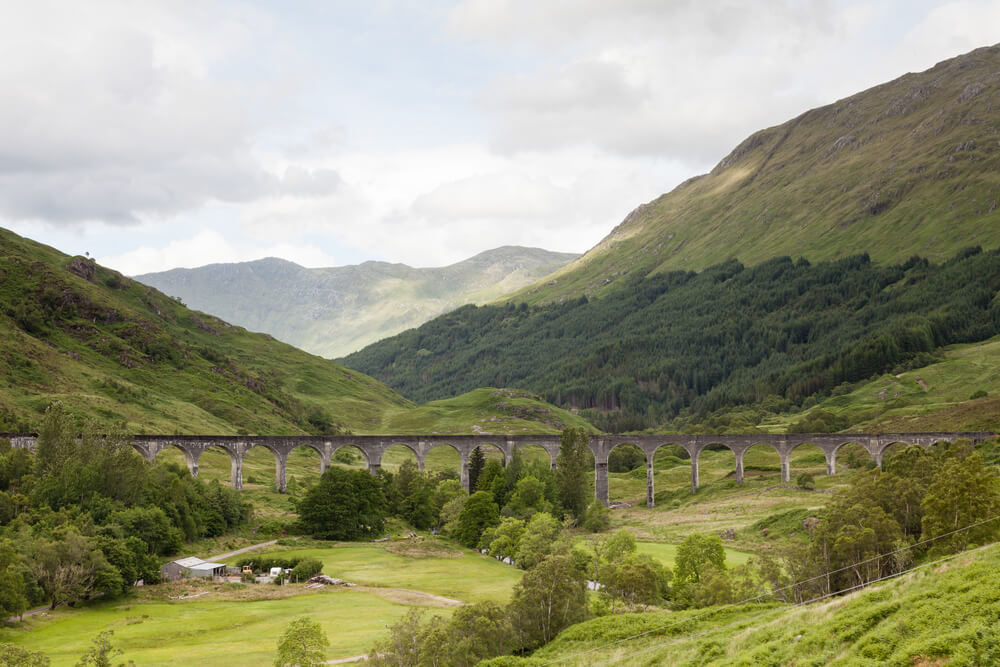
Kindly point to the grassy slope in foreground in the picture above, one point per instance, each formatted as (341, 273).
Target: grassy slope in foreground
(937, 397)
(941, 614)
(114, 349)
(908, 167)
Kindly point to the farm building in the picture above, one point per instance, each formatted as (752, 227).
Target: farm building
(191, 567)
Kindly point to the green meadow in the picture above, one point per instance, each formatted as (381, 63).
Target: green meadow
(207, 631)
(427, 565)
(938, 615)
(228, 626)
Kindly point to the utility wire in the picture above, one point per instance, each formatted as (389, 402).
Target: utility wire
(771, 594)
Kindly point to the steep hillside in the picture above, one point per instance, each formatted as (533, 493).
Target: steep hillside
(115, 349)
(910, 167)
(959, 392)
(779, 334)
(335, 311)
(935, 616)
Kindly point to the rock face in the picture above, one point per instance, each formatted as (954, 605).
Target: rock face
(83, 268)
(335, 311)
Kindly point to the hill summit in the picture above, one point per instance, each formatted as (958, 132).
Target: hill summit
(910, 167)
(335, 311)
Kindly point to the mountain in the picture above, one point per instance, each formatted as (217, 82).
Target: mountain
(335, 311)
(910, 167)
(843, 244)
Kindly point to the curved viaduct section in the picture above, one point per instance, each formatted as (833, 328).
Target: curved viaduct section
(374, 446)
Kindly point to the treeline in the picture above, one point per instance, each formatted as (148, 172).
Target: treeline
(354, 504)
(84, 514)
(683, 343)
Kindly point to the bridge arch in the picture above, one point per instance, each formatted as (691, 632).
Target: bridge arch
(347, 456)
(626, 458)
(191, 456)
(535, 452)
(398, 452)
(280, 455)
(658, 448)
(809, 457)
(305, 463)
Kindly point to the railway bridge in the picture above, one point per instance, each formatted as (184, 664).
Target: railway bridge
(373, 447)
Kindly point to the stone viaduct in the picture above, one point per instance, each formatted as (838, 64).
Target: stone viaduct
(374, 446)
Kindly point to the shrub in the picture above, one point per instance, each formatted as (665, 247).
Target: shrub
(308, 567)
(598, 518)
(806, 481)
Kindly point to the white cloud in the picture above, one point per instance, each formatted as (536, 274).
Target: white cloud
(168, 133)
(438, 206)
(688, 80)
(210, 247)
(113, 111)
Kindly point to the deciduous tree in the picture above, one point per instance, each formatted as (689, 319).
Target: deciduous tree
(302, 643)
(478, 513)
(551, 596)
(965, 493)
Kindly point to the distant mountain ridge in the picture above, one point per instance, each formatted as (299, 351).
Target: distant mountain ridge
(909, 167)
(335, 311)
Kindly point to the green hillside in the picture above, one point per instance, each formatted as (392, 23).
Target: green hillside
(335, 311)
(910, 167)
(484, 410)
(116, 350)
(960, 392)
(937, 615)
(779, 336)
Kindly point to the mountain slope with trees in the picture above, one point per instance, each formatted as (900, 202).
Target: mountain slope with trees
(777, 335)
(909, 167)
(335, 311)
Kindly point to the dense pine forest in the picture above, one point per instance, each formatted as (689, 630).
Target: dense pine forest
(780, 333)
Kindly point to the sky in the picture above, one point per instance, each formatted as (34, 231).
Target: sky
(153, 135)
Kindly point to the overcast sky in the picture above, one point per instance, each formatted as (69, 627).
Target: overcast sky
(161, 134)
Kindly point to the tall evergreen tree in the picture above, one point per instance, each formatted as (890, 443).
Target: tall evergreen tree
(477, 461)
(572, 468)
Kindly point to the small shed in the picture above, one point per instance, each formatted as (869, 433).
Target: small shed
(192, 567)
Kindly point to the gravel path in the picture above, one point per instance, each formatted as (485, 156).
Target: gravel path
(243, 550)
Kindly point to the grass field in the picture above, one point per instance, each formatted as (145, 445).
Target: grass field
(228, 627)
(427, 565)
(207, 631)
